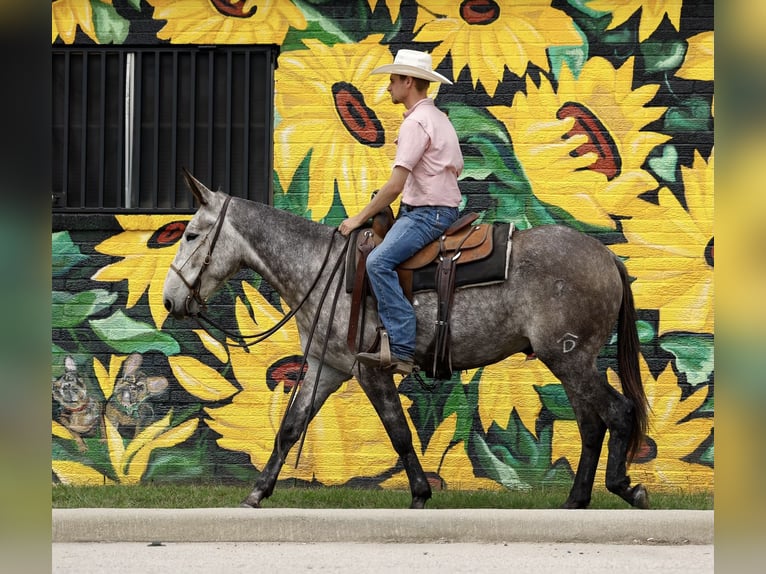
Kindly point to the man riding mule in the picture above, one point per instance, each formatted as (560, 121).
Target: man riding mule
(427, 165)
(562, 307)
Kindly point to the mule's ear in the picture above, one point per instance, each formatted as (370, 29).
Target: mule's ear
(197, 187)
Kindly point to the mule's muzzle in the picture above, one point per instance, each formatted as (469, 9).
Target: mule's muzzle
(178, 312)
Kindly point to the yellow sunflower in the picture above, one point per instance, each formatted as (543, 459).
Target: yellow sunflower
(671, 437)
(346, 439)
(508, 385)
(445, 462)
(490, 35)
(670, 251)
(582, 146)
(698, 62)
(227, 21)
(330, 106)
(129, 458)
(67, 15)
(147, 246)
(652, 13)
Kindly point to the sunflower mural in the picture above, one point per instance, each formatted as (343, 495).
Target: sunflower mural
(589, 113)
(489, 37)
(582, 144)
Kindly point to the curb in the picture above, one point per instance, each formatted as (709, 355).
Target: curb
(629, 526)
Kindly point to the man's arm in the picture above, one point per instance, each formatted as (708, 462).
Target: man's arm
(383, 198)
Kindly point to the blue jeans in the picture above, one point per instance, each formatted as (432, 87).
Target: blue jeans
(415, 228)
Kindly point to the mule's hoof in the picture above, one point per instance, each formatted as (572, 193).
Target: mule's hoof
(418, 503)
(640, 497)
(251, 502)
(574, 504)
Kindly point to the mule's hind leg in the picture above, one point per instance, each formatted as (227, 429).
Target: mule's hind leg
(379, 387)
(616, 411)
(598, 407)
(619, 419)
(292, 427)
(592, 430)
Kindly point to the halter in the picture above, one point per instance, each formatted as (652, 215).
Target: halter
(194, 287)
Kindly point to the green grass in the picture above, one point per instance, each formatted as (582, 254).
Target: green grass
(218, 496)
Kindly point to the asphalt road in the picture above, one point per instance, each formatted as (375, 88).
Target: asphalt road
(373, 558)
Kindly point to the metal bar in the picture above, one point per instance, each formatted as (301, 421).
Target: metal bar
(229, 105)
(174, 134)
(157, 119)
(192, 112)
(210, 115)
(246, 129)
(121, 127)
(84, 130)
(67, 127)
(102, 131)
(131, 103)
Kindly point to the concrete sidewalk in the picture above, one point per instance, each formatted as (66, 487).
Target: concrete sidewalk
(628, 526)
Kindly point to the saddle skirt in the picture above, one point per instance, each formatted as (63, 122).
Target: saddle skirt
(481, 253)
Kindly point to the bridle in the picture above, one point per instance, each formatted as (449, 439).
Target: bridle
(194, 286)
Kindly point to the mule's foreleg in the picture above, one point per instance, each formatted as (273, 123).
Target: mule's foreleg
(379, 387)
(292, 427)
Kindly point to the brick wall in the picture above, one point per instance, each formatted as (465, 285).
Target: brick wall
(599, 120)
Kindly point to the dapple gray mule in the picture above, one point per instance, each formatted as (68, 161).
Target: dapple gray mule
(564, 293)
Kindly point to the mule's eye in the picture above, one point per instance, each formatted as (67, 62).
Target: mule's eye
(191, 236)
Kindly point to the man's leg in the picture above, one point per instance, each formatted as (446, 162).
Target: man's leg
(411, 232)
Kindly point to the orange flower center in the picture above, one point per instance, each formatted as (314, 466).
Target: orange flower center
(599, 140)
(233, 9)
(479, 12)
(357, 117)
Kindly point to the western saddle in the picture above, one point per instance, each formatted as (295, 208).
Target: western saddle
(463, 242)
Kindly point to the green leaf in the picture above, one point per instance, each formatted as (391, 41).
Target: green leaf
(554, 398)
(70, 309)
(574, 56)
(665, 165)
(296, 198)
(127, 335)
(708, 457)
(663, 55)
(457, 403)
(645, 332)
(136, 4)
(65, 254)
(693, 353)
(111, 28)
(693, 115)
(496, 469)
(318, 27)
(488, 150)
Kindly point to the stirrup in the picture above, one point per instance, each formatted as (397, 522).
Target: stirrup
(385, 349)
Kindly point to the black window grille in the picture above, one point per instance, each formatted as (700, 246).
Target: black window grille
(127, 119)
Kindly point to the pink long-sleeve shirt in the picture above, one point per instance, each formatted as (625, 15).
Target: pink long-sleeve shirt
(428, 147)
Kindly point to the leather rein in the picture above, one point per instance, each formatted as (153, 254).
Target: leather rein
(194, 295)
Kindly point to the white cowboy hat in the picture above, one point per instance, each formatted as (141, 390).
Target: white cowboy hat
(412, 63)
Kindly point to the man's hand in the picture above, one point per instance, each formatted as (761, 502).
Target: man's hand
(348, 225)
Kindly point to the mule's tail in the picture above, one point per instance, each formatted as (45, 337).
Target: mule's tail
(628, 348)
